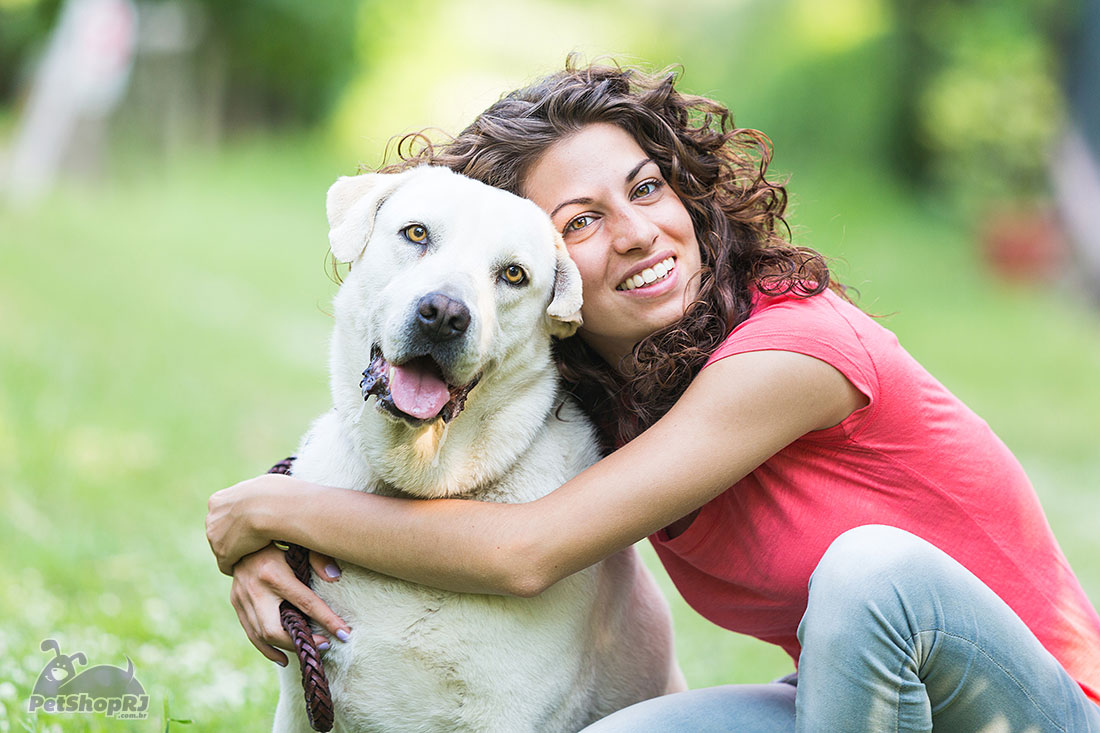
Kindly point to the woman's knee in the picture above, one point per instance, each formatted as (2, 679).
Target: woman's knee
(868, 570)
(868, 553)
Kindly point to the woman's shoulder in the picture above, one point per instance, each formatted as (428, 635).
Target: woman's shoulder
(792, 321)
(824, 326)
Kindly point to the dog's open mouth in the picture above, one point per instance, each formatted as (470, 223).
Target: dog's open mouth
(416, 391)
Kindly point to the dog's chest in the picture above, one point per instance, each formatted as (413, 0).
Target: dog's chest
(455, 661)
(447, 661)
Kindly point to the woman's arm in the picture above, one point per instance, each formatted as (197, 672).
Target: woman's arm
(735, 415)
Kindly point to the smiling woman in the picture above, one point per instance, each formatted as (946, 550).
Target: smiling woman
(803, 479)
(622, 224)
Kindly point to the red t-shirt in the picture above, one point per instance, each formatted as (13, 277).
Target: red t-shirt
(915, 458)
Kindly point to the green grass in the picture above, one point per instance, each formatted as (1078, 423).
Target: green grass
(166, 336)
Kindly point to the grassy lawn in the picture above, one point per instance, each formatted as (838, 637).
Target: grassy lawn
(166, 336)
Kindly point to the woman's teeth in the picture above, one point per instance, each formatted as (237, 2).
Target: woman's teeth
(649, 275)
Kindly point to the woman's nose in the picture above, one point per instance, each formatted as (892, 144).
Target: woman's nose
(633, 230)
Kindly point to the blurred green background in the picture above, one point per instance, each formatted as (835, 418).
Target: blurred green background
(164, 302)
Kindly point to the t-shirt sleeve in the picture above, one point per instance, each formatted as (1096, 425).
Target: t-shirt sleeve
(820, 326)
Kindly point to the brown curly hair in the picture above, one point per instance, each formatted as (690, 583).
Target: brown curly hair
(717, 170)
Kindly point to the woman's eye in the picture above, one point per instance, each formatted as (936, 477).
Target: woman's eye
(579, 223)
(416, 233)
(514, 275)
(645, 188)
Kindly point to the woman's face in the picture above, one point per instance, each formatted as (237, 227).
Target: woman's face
(630, 235)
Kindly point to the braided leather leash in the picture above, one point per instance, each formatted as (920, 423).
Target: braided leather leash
(296, 623)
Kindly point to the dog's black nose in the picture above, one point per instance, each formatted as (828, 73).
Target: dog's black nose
(441, 317)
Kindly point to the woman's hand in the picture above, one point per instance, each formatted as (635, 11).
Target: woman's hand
(261, 581)
(232, 526)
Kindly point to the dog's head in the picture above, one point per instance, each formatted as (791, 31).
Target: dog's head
(450, 278)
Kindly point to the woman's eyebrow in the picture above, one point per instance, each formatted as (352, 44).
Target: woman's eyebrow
(563, 204)
(634, 171)
(585, 200)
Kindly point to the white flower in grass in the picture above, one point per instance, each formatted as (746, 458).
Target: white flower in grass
(8, 691)
(40, 605)
(195, 656)
(109, 604)
(151, 654)
(227, 689)
(163, 618)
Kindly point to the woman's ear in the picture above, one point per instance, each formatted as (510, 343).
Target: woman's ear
(352, 204)
(565, 305)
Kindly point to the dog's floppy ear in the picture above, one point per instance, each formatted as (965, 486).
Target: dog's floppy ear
(352, 204)
(565, 306)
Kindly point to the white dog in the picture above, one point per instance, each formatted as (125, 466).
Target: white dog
(445, 319)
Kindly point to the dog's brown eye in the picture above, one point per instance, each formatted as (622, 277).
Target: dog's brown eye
(415, 233)
(514, 275)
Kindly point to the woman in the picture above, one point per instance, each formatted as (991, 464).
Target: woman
(801, 477)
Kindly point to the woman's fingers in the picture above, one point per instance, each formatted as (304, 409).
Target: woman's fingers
(324, 567)
(267, 650)
(312, 605)
(256, 595)
(246, 614)
(261, 581)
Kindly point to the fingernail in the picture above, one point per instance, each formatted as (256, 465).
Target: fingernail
(323, 646)
(281, 664)
(332, 571)
(342, 635)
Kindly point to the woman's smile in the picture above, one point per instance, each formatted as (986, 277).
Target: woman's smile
(651, 279)
(628, 232)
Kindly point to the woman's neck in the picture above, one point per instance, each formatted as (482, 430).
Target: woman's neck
(613, 352)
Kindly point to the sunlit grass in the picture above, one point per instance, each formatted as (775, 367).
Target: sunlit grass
(166, 336)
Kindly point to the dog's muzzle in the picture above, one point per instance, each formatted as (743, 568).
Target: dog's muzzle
(415, 391)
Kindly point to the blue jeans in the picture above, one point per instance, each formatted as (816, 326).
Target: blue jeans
(897, 636)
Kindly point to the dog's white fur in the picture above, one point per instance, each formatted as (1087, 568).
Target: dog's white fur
(421, 659)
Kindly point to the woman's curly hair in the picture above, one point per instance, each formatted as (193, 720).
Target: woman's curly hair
(719, 173)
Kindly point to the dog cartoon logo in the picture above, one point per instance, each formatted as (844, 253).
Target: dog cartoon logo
(100, 689)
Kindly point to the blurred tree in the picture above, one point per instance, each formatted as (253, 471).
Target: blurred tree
(24, 26)
(962, 94)
(979, 97)
(282, 61)
(984, 113)
(286, 60)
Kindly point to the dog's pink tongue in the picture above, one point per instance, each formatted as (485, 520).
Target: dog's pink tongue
(417, 390)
